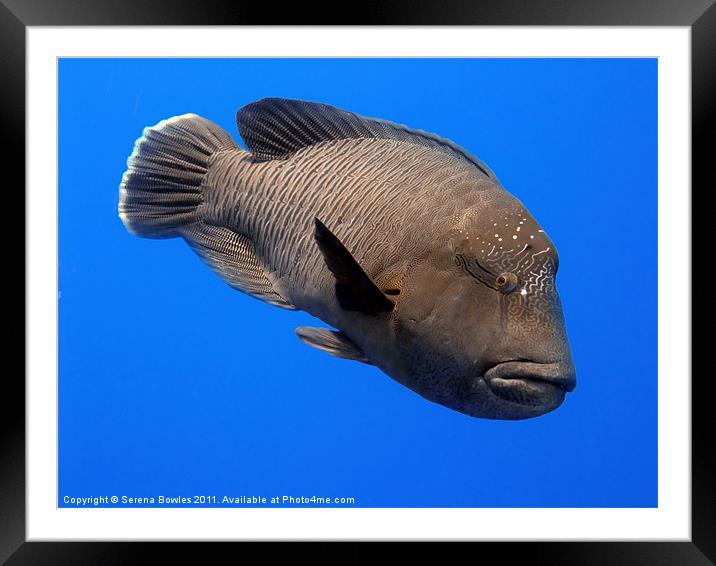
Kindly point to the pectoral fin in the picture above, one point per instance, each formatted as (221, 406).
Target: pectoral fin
(355, 291)
(334, 342)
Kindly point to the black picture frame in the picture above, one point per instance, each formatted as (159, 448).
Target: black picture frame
(16, 15)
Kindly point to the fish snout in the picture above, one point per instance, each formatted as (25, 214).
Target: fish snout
(541, 386)
(559, 374)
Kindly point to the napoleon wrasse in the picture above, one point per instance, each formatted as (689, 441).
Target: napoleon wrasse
(400, 240)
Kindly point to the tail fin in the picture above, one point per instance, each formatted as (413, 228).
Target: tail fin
(161, 189)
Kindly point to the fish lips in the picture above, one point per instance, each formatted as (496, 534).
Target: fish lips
(531, 384)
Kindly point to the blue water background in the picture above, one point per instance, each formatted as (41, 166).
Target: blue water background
(171, 383)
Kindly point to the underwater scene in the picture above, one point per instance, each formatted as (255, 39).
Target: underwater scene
(357, 282)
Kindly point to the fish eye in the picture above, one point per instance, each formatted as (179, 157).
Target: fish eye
(506, 282)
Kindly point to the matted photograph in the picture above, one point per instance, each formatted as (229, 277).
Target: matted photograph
(356, 284)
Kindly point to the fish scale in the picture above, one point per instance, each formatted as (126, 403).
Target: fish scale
(277, 200)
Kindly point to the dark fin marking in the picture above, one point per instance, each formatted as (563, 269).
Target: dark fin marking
(231, 255)
(355, 291)
(334, 342)
(274, 128)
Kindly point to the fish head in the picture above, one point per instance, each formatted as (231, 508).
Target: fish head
(478, 322)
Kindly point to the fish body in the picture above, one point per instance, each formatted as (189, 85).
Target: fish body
(399, 239)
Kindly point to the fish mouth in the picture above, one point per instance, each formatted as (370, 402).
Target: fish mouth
(531, 384)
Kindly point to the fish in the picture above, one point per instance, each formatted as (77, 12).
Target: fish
(405, 245)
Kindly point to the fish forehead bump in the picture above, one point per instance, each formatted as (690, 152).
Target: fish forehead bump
(501, 228)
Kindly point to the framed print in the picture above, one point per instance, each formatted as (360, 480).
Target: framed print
(299, 282)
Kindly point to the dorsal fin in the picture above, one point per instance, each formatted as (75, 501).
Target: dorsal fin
(274, 128)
